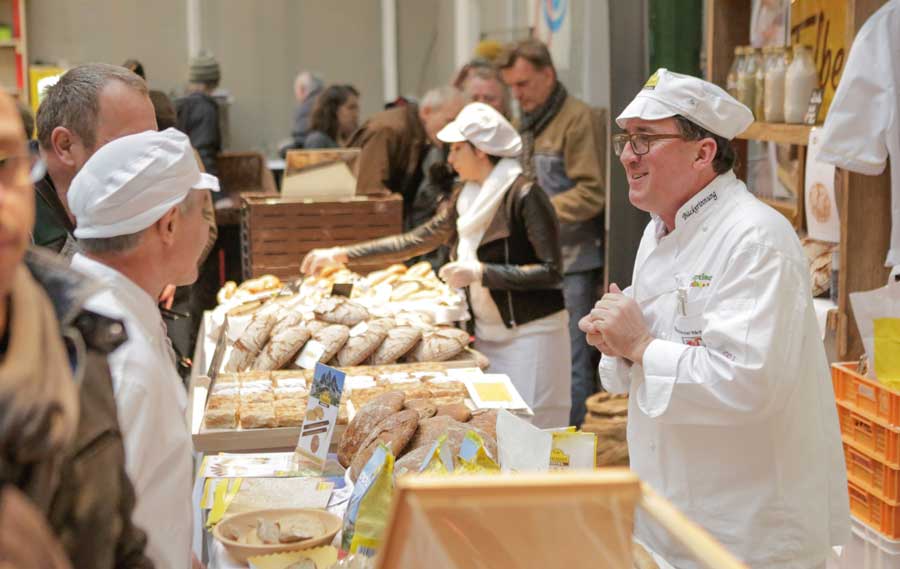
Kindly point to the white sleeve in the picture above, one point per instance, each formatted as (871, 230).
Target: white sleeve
(750, 355)
(863, 111)
(615, 374)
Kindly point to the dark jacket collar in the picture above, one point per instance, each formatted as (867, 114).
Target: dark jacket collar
(499, 227)
(68, 290)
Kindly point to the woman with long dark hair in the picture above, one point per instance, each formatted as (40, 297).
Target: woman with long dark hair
(335, 117)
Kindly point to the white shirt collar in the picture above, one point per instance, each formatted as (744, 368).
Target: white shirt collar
(698, 207)
(127, 291)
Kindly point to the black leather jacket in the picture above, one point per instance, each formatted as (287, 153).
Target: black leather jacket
(520, 251)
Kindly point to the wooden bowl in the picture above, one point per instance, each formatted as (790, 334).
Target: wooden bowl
(244, 523)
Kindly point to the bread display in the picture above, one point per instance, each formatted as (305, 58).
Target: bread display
(398, 341)
(395, 431)
(340, 310)
(358, 348)
(439, 345)
(365, 421)
(281, 348)
(247, 347)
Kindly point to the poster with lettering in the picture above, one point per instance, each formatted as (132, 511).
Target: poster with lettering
(551, 21)
(321, 417)
(821, 24)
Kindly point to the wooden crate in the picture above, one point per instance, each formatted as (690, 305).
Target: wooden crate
(277, 232)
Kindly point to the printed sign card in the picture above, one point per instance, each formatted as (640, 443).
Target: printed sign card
(321, 417)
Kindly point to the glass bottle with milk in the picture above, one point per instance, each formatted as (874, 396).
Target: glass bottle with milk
(747, 78)
(776, 67)
(800, 80)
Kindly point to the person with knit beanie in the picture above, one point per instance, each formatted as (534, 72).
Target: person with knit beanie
(198, 111)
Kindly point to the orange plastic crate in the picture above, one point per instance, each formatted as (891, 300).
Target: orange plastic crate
(876, 513)
(865, 395)
(877, 439)
(872, 474)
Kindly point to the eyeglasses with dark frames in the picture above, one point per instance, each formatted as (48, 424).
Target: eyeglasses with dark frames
(640, 142)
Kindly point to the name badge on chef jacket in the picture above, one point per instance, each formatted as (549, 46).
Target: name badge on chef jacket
(688, 327)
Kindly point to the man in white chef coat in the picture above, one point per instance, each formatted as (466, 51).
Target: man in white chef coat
(140, 226)
(731, 412)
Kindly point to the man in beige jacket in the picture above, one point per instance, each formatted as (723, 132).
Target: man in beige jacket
(560, 150)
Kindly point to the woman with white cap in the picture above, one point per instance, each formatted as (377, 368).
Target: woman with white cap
(504, 236)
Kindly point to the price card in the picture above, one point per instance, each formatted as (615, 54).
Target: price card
(359, 329)
(321, 416)
(310, 354)
(342, 289)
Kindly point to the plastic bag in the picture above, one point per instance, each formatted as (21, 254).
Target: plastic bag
(439, 459)
(573, 450)
(370, 503)
(877, 312)
(473, 457)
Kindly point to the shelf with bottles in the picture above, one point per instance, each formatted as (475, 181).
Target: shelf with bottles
(863, 201)
(782, 133)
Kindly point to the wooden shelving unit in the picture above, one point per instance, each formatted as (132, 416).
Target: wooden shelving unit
(778, 132)
(863, 201)
(14, 52)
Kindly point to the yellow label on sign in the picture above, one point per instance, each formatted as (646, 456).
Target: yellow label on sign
(651, 83)
(821, 24)
(887, 351)
(493, 392)
(558, 458)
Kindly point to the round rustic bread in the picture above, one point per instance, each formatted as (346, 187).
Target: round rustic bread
(424, 407)
(611, 406)
(439, 345)
(365, 421)
(315, 326)
(457, 411)
(611, 428)
(287, 318)
(360, 347)
(431, 429)
(333, 337)
(339, 310)
(411, 461)
(395, 431)
(254, 337)
(281, 348)
(486, 420)
(398, 342)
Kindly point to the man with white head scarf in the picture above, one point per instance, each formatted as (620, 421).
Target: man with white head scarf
(138, 209)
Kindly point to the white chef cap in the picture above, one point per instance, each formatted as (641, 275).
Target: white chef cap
(485, 128)
(667, 94)
(131, 182)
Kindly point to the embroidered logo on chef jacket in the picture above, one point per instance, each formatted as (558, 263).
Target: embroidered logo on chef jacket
(701, 280)
(706, 200)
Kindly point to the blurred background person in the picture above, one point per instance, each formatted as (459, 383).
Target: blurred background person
(307, 86)
(393, 145)
(198, 112)
(483, 84)
(135, 67)
(335, 117)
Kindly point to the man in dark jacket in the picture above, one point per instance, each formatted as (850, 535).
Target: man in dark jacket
(69, 464)
(198, 112)
(89, 106)
(394, 143)
(560, 150)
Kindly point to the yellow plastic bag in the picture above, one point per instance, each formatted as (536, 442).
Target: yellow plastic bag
(473, 458)
(370, 504)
